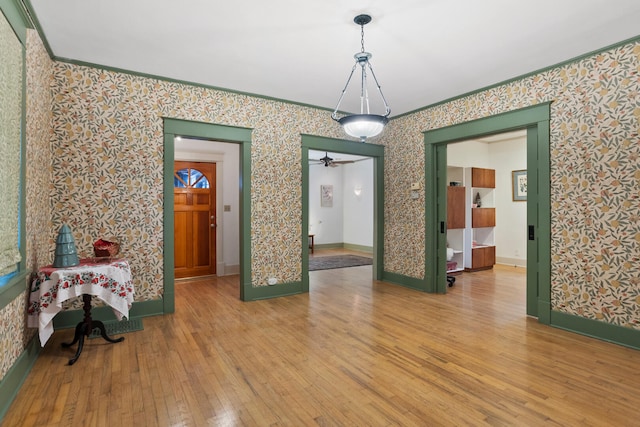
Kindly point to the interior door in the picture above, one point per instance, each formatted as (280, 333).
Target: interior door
(194, 219)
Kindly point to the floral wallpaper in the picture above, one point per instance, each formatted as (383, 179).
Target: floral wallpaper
(107, 166)
(14, 335)
(100, 165)
(595, 180)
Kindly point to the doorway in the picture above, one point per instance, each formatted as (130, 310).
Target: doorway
(486, 224)
(376, 152)
(535, 120)
(174, 128)
(340, 210)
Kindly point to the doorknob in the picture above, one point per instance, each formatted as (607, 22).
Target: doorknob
(213, 217)
(213, 226)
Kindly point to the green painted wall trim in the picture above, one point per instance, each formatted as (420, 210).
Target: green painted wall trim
(15, 376)
(596, 329)
(536, 120)
(15, 287)
(543, 312)
(70, 318)
(313, 142)
(503, 122)
(361, 248)
(406, 281)
(256, 293)
(215, 132)
(183, 82)
(350, 246)
(17, 18)
(523, 76)
(328, 246)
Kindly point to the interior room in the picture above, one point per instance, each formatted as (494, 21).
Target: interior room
(165, 197)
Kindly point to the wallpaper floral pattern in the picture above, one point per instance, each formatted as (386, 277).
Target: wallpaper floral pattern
(107, 163)
(108, 151)
(595, 180)
(105, 174)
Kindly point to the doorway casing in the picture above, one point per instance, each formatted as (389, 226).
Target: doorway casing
(220, 133)
(535, 120)
(345, 147)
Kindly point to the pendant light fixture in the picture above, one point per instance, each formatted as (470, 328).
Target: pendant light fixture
(364, 125)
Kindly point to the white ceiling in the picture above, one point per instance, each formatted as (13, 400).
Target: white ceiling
(424, 51)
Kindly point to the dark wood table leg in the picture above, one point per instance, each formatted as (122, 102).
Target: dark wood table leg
(85, 328)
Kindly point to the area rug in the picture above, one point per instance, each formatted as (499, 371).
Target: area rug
(338, 261)
(114, 327)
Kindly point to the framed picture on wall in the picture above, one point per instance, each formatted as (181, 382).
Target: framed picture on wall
(519, 185)
(326, 196)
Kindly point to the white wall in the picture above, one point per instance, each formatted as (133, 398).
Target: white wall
(350, 219)
(227, 159)
(358, 209)
(325, 222)
(511, 217)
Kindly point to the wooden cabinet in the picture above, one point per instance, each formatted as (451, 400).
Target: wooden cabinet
(483, 258)
(483, 178)
(483, 217)
(456, 212)
(471, 228)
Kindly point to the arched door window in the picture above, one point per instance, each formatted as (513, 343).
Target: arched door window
(190, 178)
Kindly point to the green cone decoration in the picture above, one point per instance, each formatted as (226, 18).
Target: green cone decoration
(66, 254)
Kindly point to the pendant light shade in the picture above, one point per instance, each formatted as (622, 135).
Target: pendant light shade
(364, 125)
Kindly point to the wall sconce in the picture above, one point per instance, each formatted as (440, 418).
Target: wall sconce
(357, 190)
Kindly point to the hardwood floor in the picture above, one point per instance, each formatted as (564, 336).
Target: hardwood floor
(351, 352)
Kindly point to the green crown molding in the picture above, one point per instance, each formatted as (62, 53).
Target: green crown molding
(36, 26)
(29, 13)
(523, 76)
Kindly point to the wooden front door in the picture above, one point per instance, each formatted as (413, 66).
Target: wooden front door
(194, 189)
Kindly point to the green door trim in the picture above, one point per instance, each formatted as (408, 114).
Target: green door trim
(536, 120)
(312, 142)
(199, 130)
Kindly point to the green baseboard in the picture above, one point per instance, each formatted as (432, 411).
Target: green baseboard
(359, 248)
(70, 318)
(253, 293)
(406, 281)
(327, 246)
(596, 329)
(12, 381)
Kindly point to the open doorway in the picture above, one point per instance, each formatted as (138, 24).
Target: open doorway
(341, 210)
(535, 120)
(217, 229)
(343, 148)
(486, 220)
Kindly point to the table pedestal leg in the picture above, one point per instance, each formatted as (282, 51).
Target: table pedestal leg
(85, 328)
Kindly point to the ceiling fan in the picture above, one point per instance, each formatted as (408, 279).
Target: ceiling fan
(328, 161)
